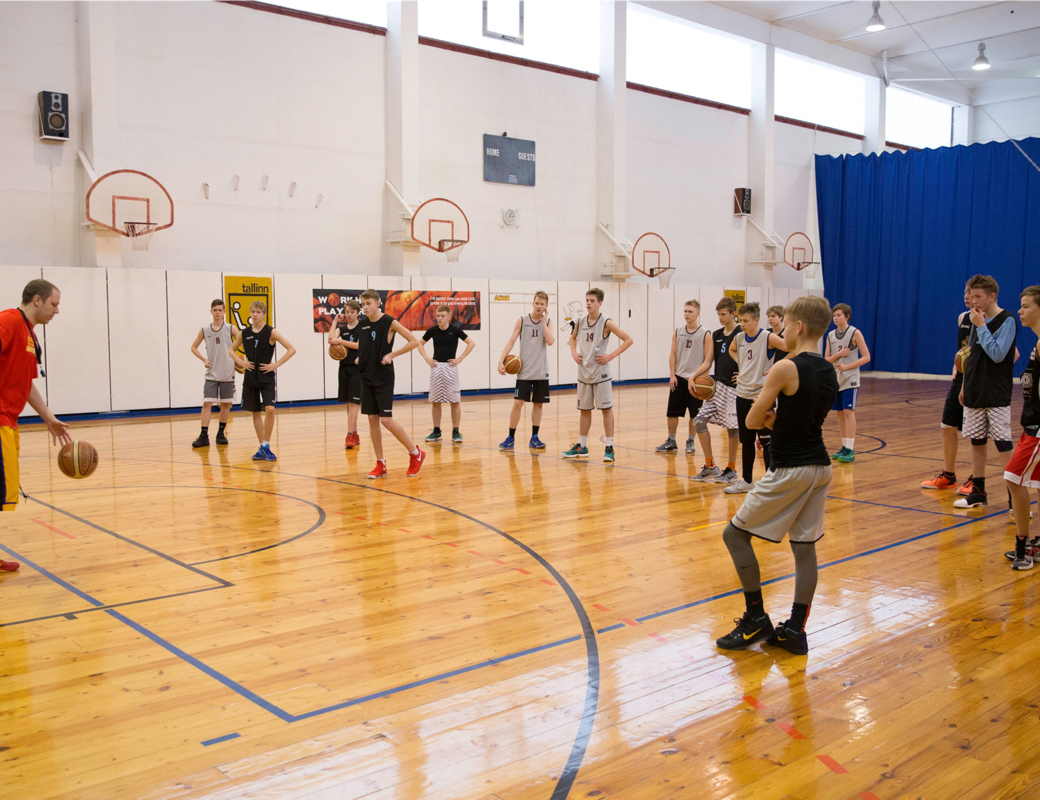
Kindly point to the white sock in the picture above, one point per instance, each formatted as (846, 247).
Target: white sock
(849, 443)
(414, 452)
(583, 440)
(671, 437)
(381, 461)
(265, 444)
(609, 440)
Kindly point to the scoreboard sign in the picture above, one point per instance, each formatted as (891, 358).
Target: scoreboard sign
(508, 160)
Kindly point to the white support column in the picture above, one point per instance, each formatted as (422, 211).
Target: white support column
(874, 116)
(400, 255)
(963, 124)
(761, 161)
(611, 131)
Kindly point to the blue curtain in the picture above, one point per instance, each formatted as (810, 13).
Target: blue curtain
(900, 233)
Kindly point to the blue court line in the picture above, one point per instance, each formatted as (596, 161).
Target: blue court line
(220, 739)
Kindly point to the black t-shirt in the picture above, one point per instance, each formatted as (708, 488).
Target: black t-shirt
(725, 365)
(350, 335)
(375, 340)
(445, 342)
(798, 430)
(259, 349)
(1030, 396)
(964, 327)
(988, 384)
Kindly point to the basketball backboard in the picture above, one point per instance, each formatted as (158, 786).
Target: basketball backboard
(440, 225)
(650, 255)
(798, 251)
(127, 195)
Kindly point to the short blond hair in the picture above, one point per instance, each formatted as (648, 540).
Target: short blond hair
(813, 312)
(370, 294)
(258, 304)
(695, 303)
(541, 295)
(750, 308)
(443, 308)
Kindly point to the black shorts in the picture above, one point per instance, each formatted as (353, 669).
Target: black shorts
(377, 401)
(680, 400)
(258, 396)
(953, 411)
(747, 435)
(532, 391)
(349, 386)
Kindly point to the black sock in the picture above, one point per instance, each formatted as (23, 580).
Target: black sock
(753, 601)
(221, 428)
(454, 430)
(534, 429)
(512, 432)
(1020, 547)
(205, 430)
(978, 485)
(799, 614)
(436, 429)
(950, 475)
(747, 457)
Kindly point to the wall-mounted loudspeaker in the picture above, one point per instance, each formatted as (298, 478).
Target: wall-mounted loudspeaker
(54, 116)
(741, 201)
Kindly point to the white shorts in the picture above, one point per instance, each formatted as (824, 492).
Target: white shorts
(982, 423)
(595, 395)
(788, 500)
(722, 408)
(444, 383)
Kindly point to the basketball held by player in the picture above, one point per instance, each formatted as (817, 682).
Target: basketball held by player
(721, 409)
(535, 334)
(344, 332)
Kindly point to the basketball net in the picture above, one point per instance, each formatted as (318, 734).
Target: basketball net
(809, 268)
(452, 248)
(665, 277)
(140, 233)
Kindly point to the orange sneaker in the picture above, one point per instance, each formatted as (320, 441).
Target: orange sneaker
(940, 481)
(349, 441)
(966, 488)
(415, 463)
(378, 472)
(9, 566)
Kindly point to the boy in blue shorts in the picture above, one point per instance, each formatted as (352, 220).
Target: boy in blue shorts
(847, 351)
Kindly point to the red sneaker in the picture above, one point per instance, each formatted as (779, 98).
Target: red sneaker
(940, 481)
(9, 566)
(415, 463)
(966, 488)
(349, 441)
(357, 440)
(378, 472)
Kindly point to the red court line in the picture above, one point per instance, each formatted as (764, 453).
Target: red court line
(658, 638)
(628, 621)
(51, 528)
(498, 562)
(474, 553)
(360, 518)
(753, 702)
(832, 765)
(547, 582)
(429, 537)
(451, 544)
(402, 530)
(869, 796)
(790, 730)
(601, 608)
(523, 571)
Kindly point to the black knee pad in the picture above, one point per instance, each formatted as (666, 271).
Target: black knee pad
(1003, 446)
(983, 440)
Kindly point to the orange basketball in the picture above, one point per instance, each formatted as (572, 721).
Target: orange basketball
(513, 364)
(704, 387)
(78, 459)
(337, 351)
(960, 361)
(333, 299)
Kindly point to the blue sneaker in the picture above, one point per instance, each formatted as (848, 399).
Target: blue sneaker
(259, 455)
(508, 444)
(536, 443)
(268, 454)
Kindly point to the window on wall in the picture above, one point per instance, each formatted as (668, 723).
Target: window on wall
(670, 54)
(916, 121)
(565, 34)
(368, 12)
(812, 92)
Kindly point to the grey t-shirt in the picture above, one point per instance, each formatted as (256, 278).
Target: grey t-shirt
(218, 342)
(592, 342)
(534, 364)
(753, 359)
(689, 350)
(849, 379)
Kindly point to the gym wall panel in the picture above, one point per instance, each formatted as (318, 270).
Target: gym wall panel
(612, 309)
(188, 295)
(12, 281)
(660, 327)
(77, 343)
(680, 294)
(710, 296)
(756, 294)
(402, 366)
(420, 369)
(303, 377)
(570, 307)
(137, 330)
(475, 371)
(330, 367)
(632, 319)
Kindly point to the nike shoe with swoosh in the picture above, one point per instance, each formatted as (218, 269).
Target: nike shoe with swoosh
(788, 638)
(748, 632)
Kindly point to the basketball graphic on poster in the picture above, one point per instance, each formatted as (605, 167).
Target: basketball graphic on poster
(333, 300)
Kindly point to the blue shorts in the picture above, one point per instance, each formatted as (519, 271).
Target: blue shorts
(845, 401)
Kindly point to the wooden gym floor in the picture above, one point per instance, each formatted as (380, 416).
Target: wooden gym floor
(194, 624)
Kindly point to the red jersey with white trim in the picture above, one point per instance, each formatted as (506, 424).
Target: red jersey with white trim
(17, 366)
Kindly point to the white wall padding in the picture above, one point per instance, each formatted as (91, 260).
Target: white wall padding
(303, 377)
(137, 336)
(188, 295)
(77, 342)
(632, 319)
(475, 371)
(660, 328)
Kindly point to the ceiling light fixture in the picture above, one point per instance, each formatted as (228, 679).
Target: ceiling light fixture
(876, 23)
(981, 62)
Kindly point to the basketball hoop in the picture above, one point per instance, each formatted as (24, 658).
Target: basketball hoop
(664, 276)
(140, 233)
(452, 248)
(810, 267)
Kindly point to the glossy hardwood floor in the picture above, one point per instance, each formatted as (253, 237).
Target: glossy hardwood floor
(196, 624)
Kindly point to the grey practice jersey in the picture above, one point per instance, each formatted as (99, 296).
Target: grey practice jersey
(592, 342)
(754, 357)
(835, 341)
(218, 342)
(534, 364)
(689, 350)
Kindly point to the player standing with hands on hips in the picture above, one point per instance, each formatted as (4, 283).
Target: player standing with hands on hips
(219, 386)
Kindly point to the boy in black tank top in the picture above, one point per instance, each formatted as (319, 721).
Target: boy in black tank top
(790, 499)
(376, 356)
(1023, 470)
(345, 332)
(260, 388)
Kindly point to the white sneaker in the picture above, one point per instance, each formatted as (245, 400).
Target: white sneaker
(707, 474)
(691, 447)
(740, 487)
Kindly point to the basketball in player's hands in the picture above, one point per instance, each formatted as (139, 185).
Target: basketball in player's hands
(512, 364)
(704, 387)
(337, 352)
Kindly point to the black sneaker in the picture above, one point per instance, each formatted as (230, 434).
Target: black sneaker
(976, 499)
(1032, 549)
(202, 441)
(748, 632)
(788, 638)
(221, 438)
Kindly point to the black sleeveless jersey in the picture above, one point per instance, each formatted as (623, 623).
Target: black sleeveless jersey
(725, 365)
(259, 349)
(1031, 395)
(372, 346)
(798, 430)
(988, 384)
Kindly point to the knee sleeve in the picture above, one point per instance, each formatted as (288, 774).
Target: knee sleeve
(981, 441)
(1003, 446)
(732, 432)
(700, 425)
